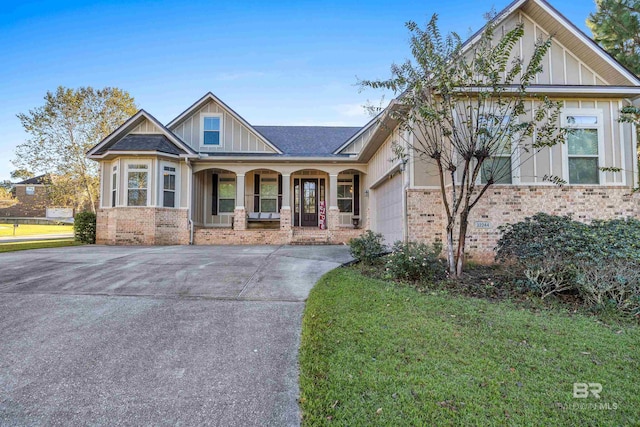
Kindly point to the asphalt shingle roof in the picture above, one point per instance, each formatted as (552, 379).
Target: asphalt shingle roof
(143, 142)
(36, 180)
(307, 140)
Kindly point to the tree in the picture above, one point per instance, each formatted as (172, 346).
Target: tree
(466, 109)
(61, 131)
(22, 174)
(616, 27)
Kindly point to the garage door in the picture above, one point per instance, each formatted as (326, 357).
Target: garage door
(389, 209)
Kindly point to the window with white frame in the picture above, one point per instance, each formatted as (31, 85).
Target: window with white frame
(226, 194)
(30, 190)
(212, 129)
(268, 194)
(585, 130)
(345, 194)
(169, 186)
(137, 184)
(498, 166)
(114, 186)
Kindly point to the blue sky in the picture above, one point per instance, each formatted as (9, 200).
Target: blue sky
(283, 62)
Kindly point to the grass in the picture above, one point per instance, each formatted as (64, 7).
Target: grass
(40, 244)
(34, 229)
(377, 353)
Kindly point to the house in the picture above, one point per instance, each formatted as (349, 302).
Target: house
(210, 177)
(31, 199)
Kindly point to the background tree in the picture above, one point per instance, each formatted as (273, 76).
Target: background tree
(466, 109)
(62, 130)
(616, 27)
(21, 174)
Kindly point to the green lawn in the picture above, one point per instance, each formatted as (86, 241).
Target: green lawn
(377, 353)
(40, 244)
(33, 229)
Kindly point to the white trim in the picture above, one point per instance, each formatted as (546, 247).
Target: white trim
(176, 193)
(634, 144)
(622, 145)
(583, 38)
(149, 188)
(365, 128)
(211, 97)
(601, 148)
(221, 142)
(501, 16)
(393, 170)
(132, 123)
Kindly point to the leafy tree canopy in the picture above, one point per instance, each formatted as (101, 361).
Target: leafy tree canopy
(62, 130)
(616, 27)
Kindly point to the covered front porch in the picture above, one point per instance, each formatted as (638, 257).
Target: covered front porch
(277, 205)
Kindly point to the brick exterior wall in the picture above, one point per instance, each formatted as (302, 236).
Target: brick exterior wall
(142, 226)
(509, 204)
(163, 226)
(28, 206)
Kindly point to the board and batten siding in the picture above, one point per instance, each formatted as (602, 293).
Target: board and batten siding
(356, 145)
(235, 137)
(146, 127)
(618, 152)
(560, 65)
(382, 161)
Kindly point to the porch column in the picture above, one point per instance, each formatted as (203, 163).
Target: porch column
(285, 211)
(239, 213)
(333, 216)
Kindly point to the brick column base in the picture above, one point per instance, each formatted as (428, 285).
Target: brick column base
(240, 219)
(333, 218)
(285, 219)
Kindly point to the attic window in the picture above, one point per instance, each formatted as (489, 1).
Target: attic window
(211, 133)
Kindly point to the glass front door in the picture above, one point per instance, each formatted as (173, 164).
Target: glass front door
(309, 202)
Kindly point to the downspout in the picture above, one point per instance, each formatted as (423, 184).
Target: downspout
(189, 196)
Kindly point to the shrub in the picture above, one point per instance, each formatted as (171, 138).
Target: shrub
(367, 248)
(415, 262)
(598, 261)
(84, 227)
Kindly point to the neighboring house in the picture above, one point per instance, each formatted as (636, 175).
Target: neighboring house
(31, 199)
(209, 177)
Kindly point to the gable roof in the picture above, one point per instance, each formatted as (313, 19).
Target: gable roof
(36, 180)
(307, 140)
(209, 96)
(573, 38)
(143, 142)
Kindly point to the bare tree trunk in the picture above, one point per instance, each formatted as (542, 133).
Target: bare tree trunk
(462, 239)
(450, 255)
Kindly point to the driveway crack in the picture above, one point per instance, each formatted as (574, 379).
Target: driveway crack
(263, 264)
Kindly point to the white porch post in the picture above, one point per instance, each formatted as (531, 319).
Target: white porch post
(286, 191)
(285, 211)
(239, 213)
(333, 216)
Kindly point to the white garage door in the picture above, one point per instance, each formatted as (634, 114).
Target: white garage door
(389, 209)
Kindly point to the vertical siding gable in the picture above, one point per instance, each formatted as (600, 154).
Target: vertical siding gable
(561, 66)
(235, 137)
(146, 127)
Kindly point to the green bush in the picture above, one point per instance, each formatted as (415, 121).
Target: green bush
(367, 248)
(415, 262)
(84, 227)
(598, 261)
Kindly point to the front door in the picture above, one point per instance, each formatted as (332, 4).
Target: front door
(309, 203)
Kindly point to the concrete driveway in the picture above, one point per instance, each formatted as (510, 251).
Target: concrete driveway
(187, 335)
